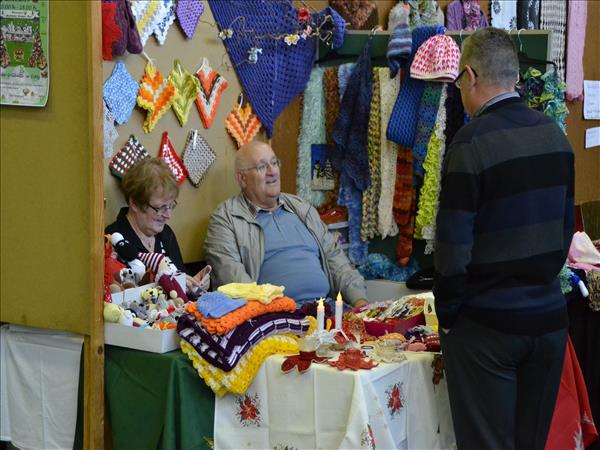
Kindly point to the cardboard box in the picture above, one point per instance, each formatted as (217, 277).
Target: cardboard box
(147, 339)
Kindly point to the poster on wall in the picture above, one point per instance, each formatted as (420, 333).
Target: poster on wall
(24, 65)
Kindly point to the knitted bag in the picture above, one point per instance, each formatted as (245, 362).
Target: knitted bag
(120, 92)
(156, 95)
(198, 156)
(129, 154)
(187, 88)
(436, 59)
(188, 13)
(167, 152)
(212, 86)
(282, 70)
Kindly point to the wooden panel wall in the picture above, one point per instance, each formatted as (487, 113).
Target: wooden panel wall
(587, 162)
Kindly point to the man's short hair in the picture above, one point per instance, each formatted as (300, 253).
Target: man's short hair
(491, 52)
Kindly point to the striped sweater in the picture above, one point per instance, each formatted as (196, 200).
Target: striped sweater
(505, 222)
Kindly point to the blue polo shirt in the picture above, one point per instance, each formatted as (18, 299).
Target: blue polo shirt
(291, 256)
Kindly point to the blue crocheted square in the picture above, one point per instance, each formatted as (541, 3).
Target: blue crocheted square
(120, 93)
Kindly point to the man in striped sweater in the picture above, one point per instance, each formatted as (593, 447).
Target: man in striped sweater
(503, 232)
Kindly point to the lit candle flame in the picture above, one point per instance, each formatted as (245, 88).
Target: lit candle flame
(339, 296)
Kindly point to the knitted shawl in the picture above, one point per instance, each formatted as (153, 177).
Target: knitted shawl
(332, 101)
(389, 152)
(428, 110)
(575, 45)
(504, 14)
(553, 17)
(465, 14)
(403, 121)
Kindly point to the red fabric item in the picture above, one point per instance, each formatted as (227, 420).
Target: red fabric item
(168, 153)
(111, 265)
(170, 284)
(110, 30)
(572, 424)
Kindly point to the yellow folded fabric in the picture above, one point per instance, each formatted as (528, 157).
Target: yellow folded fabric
(264, 293)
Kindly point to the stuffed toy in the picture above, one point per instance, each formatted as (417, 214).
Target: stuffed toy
(112, 312)
(169, 284)
(126, 278)
(150, 295)
(128, 253)
(111, 266)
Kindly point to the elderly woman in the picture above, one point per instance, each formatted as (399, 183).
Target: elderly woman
(151, 191)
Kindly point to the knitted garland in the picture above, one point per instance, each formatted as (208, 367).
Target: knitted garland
(162, 27)
(389, 153)
(156, 95)
(168, 153)
(187, 88)
(312, 131)
(212, 86)
(148, 14)
(198, 156)
(188, 13)
(242, 124)
(370, 201)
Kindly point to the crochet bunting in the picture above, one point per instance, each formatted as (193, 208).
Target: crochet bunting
(198, 156)
(120, 91)
(129, 154)
(212, 86)
(187, 88)
(156, 95)
(148, 14)
(110, 30)
(162, 27)
(167, 152)
(130, 36)
(242, 124)
(188, 14)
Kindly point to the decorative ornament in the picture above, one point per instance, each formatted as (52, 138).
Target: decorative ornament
(162, 27)
(227, 33)
(188, 13)
(212, 86)
(120, 92)
(302, 361)
(110, 132)
(111, 32)
(242, 123)
(253, 54)
(198, 156)
(291, 39)
(352, 359)
(129, 154)
(148, 14)
(187, 88)
(156, 95)
(168, 154)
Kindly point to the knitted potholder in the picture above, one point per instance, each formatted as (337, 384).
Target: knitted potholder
(198, 156)
(167, 152)
(129, 154)
(242, 124)
(110, 30)
(110, 132)
(187, 88)
(156, 95)
(148, 14)
(162, 27)
(188, 13)
(120, 91)
(212, 86)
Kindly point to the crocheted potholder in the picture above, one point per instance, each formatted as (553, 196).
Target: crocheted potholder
(162, 27)
(110, 132)
(212, 86)
(187, 88)
(188, 13)
(198, 156)
(242, 124)
(167, 152)
(120, 91)
(156, 95)
(148, 14)
(110, 30)
(129, 154)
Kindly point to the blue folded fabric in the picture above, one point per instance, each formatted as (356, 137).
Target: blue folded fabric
(216, 304)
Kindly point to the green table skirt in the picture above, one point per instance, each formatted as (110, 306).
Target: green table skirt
(156, 401)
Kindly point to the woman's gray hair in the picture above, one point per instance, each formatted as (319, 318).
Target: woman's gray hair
(491, 52)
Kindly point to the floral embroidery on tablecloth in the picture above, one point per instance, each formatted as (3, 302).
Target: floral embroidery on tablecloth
(248, 410)
(284, 447)
(367, 440)
(395, 398)
(438, 368)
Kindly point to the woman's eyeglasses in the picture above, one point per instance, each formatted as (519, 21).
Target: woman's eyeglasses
(262, 167)
(162, 210)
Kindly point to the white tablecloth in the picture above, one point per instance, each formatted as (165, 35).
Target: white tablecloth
(395, 405)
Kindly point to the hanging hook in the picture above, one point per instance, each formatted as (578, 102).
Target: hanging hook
(519, 37)
(460, 37)
(145, 55)
(241, 101)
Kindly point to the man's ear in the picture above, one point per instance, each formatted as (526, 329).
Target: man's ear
(472, 79)
(241, 179)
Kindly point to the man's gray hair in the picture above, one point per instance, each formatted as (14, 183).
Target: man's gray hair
(491, 52)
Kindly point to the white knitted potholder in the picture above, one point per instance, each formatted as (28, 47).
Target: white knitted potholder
(198, 156)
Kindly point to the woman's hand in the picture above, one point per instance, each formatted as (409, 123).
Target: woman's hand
(200, 281)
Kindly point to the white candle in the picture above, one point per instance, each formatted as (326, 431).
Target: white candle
(320, 316)
(339, 310)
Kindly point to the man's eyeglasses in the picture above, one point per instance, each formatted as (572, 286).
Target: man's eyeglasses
(462, 72)
(262, 167)
(165, 208)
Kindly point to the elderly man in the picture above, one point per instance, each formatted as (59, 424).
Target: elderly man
(503, 232)
(267, 236)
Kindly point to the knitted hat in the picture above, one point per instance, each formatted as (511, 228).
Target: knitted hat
(187, 88)
(242, 123)
(188, 14)
(151, 260)
(436, 59)
(400, 42)
(167, 152)
(155, 95)
(120, 91)
(212, 86)
(198, 156)
(131, 152)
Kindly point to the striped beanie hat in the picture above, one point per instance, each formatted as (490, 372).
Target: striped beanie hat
(400, 43)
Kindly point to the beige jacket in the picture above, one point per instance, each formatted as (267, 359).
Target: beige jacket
(234, 246)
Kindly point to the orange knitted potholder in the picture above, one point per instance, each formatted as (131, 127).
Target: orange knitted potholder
(242, 123)
(156, 95)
